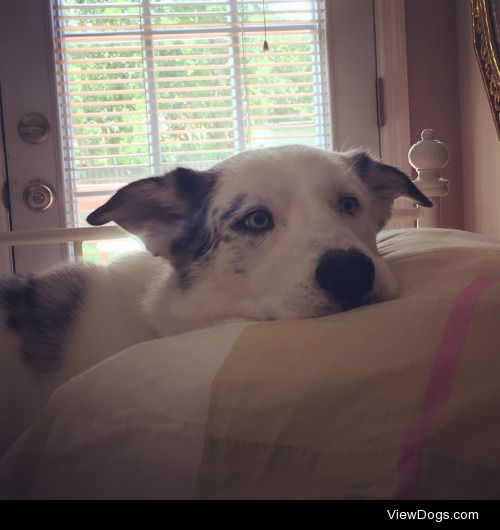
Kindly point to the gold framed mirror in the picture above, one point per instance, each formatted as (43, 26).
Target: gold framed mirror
(486, 36)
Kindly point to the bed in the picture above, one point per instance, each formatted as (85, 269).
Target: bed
(395, 400)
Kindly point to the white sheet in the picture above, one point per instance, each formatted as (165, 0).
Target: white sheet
(131, 427)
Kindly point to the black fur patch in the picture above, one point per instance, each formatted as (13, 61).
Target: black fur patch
(197, 241)
(362, 162)
(233, 208)
(193, 186)
(40, 310)
(192, 248)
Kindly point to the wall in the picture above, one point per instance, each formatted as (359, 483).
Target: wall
(431, 35)
(446, 93)
(480, 145)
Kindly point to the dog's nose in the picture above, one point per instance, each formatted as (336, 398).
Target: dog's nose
(346, 275)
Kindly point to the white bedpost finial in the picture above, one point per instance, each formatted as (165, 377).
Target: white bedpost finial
(428, 157)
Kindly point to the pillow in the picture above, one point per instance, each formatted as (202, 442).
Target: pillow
(395, 400)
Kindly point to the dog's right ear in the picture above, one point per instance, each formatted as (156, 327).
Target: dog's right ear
(156, 209)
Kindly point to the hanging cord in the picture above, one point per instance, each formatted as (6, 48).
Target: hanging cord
(265, 46)
(245, 88)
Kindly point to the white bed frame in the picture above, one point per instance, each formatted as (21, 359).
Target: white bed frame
(427, 156)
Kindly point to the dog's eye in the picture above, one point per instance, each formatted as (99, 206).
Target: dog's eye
(256, 221)
(348, 204)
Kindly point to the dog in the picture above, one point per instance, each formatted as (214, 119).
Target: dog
(276, 233)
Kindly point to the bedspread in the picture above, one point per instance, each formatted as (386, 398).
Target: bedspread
(396, 400)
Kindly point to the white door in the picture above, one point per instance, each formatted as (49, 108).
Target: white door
(27, 91)
(105, 93)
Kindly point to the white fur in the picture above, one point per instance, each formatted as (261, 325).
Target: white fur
(300, 186)
(139, 298)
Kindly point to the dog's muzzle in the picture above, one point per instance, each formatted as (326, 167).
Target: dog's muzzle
(346, 275)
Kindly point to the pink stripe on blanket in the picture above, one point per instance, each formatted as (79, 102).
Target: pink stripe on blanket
(439, 385)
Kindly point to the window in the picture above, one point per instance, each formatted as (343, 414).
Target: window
(148, 85)
(132, 88)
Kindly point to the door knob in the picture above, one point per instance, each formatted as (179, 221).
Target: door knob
(39, 195)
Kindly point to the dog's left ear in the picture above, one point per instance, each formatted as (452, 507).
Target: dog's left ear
(157, 209)
(386, 183)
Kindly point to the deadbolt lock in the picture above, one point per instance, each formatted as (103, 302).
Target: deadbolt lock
(34, 128)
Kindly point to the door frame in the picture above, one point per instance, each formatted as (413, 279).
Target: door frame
(5, 252)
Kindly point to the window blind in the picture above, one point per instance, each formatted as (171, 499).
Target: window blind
(147, 85)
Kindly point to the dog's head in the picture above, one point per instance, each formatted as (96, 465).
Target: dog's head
(285, 232)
